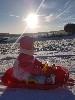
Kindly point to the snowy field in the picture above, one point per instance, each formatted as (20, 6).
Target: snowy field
(58, 51)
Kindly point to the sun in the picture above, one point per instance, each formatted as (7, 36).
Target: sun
(32, 20)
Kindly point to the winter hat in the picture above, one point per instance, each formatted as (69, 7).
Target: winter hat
(26, 42)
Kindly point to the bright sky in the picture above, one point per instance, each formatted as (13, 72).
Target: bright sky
(52, 15)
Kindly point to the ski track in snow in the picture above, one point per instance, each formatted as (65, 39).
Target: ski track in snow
(60, 52)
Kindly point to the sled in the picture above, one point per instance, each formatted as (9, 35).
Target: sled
(61, 78)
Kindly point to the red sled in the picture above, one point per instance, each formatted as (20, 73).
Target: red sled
(61, 78)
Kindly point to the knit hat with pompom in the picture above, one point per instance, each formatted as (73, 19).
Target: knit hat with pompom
(27, 42)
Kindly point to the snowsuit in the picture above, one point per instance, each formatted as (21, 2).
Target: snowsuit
(25, 66)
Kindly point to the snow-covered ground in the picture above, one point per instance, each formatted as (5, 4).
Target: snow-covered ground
(58, 51)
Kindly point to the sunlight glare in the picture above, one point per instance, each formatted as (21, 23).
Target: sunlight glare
(32, 20)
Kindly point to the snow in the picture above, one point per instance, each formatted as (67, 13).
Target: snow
(22, 94)
(58, 51)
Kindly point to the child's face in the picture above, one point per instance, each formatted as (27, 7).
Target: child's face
(32, 49)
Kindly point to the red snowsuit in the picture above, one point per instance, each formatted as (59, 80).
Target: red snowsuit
(30, 64)
(25, 66)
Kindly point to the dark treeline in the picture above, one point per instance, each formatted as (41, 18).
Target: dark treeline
(70, 28)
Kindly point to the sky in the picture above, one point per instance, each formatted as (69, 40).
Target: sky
(52, 15)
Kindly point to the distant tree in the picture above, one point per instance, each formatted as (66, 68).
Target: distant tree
(70, 28)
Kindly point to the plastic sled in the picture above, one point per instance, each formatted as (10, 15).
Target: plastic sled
(61, 78)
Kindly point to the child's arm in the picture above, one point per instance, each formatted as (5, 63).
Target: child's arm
(38, 63)
(29, 67)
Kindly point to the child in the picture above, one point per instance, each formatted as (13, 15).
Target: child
(26, 66)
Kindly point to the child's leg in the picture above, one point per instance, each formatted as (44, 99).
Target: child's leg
(31, 79)
(36, 79)
(40, 79)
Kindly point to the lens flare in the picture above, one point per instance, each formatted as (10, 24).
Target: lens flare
(32, 20)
